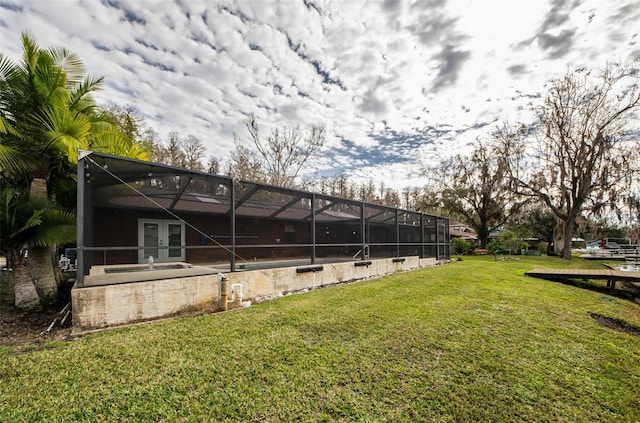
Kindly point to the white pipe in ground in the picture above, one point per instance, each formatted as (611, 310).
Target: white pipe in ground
(237, 287)
(233, 293)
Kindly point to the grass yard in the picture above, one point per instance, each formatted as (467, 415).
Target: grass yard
(470, 341)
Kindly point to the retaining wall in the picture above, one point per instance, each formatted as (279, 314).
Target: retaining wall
(96, 307)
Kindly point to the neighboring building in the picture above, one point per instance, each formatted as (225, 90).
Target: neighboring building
(461, 230)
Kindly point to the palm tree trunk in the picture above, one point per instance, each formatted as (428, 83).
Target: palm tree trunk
(40, 266)
(41, 262)
(7, 296)
(38, 189)
(26, 296)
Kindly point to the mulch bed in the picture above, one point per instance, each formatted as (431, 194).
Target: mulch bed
(19, 329)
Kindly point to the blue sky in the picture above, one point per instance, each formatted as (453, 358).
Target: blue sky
(398, 84)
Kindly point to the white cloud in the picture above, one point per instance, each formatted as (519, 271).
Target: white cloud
(398, 84)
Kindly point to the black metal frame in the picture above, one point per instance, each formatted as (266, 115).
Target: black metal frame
(110, 179)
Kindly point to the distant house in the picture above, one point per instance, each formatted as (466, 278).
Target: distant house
(461, 230)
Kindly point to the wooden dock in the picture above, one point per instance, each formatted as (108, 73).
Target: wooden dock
(610, 275)
(628, 255)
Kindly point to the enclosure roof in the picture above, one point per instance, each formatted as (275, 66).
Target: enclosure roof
(132, 184)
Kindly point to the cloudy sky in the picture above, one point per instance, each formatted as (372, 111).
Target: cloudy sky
(398, 84)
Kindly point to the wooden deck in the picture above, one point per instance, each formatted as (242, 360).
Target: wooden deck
(610, 275)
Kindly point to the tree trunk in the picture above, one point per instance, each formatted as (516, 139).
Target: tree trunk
(568, 236)
(483, 235)
(41, 259)
(40, 266)
(38, 189)
(26, 296)
(559, 237)
(7, 295)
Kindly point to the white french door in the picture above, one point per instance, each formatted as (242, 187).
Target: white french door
(156, 233)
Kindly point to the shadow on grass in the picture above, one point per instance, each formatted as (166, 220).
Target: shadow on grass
(627, 291)
(616, 324)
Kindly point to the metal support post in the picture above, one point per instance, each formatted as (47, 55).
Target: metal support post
(233, 226)
(313, 228)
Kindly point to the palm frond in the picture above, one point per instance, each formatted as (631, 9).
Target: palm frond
(108, 138)
(13, 160)
(7, 128)
(48, 79)
(65, 131)
(30, 50)
(69, 63)
(33, 221)
(8, 69)
(81, 99)
(57, 227)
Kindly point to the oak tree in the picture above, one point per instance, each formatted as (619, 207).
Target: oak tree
(578, 156)
(476, 189)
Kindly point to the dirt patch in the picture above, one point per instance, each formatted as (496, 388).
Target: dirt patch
(20, 330)
(616, 324)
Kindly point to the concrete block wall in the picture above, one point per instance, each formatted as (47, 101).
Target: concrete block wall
(268, 283)
(112, 305)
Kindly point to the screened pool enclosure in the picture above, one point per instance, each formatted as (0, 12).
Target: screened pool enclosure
(129, 211)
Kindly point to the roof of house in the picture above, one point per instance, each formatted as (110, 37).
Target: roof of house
(461, 230)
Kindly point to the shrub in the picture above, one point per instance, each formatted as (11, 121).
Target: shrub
(511, 241)
(542, 246)
(461, 246)
(496, 247)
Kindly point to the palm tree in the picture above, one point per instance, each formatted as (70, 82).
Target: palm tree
(25, 224)
(46, 107)
(46, 103)
(47, 114)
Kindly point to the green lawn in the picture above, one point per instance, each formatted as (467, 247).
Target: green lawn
(470, 341)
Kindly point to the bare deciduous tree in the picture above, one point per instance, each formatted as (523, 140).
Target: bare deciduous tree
(193, 152)
(130, 121)
(243, 164)
(367, 191)
(340, 185)
(578, 160)
(172, 153)
(391, 198)
(285, 150)
(134, 127)
(428, 200)
(213, 165)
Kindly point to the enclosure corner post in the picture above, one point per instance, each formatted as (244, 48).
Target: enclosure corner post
(83, 218)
